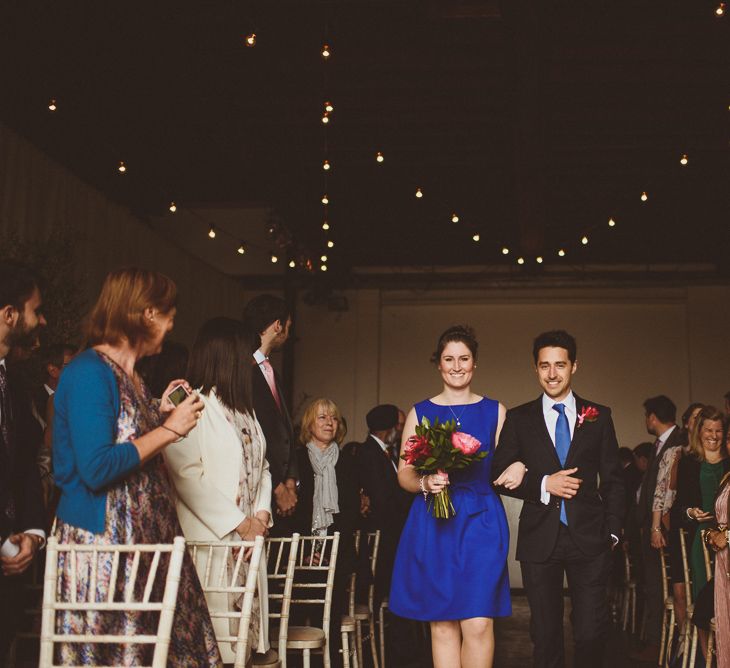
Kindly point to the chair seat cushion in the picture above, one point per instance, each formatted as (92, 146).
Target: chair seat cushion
(347, 624)
(271, 658)
(305, 636)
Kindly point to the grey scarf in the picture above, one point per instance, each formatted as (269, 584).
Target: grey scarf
(324, 504)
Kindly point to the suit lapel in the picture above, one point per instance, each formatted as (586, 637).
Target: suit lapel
(540, 428)
(578, 429)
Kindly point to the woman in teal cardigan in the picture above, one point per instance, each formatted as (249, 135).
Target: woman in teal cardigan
(108, 435)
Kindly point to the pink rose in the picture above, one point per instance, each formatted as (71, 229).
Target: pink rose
(464, 442)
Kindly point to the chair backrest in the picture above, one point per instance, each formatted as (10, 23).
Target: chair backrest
(706, 555)
(685, 565)
(352, 585)
(222, 566)
(373, 545)
(665, 574)
(281, 559)
(317, 555)
(85, 560)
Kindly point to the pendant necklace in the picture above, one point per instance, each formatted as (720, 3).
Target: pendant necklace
(457, 417)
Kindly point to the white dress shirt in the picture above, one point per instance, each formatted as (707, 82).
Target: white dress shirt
(259, 357)
(551, 421)
(385, 450)
(34, 532)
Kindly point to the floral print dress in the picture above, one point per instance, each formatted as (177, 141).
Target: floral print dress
(139, 509)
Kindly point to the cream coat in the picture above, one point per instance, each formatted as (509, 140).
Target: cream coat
(205, 468)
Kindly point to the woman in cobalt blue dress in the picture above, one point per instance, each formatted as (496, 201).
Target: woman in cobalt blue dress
(453, 573)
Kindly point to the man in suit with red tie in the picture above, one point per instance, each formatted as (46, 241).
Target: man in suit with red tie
(569, 522)
(21, 499)
(269, 317)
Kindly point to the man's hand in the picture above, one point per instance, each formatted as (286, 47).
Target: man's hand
(18, 564)
(286, 499)
(657, 539)
(562, 484)
(364, 504)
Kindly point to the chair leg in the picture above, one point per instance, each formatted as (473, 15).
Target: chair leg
(670, 637)
(305, 658)
(710, 649)
(345, 650)
(693, 651)
(358, 641)
(664, 636)
(381, 633)
(373, 648)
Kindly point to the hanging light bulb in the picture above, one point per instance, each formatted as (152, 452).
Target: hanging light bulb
(611, 222)
(379, 157)
(325, 225)
(684, 159)
(323, 267)
(584, 240)
(520, 260)
(561, 253)
(326, 166)
(251, 39)
(538, 259)
(292, 264)
(325, 118)
(328, 107)
(211, 232)
(122, 167)
(720, 11)
(325, 199)
(475, 236)
(419, 193)
(173, 207)
(323, 258)
(326, 52)
(52, 104)
(644, 196)
(242, 248)
(505, 250)
(274, 259)
(330, 244)
(454, 218)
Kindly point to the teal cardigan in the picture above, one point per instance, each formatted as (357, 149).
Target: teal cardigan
(86, 459)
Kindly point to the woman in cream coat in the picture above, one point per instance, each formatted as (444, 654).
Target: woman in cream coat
(219, 469)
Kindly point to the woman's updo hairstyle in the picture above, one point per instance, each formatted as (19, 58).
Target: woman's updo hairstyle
(459, 333)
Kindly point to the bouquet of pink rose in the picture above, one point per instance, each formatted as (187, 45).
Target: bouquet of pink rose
(438, 448)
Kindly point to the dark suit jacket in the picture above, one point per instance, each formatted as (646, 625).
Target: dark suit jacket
(593, 513)
(689, 492)
(389, 506)
(20, 477)
(648, 484)
(277, 427)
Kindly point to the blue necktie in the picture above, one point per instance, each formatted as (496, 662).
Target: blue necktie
(562, 445)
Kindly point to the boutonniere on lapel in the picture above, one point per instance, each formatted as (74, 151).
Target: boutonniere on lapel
(587, 414)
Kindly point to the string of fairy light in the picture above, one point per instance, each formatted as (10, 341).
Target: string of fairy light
(304, 260)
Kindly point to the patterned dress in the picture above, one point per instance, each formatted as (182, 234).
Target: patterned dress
(139, 509)
(722, 585)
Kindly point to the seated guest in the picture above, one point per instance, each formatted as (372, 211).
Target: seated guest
(108, 435)
(328, 499)
(219, 469)
(698, 480)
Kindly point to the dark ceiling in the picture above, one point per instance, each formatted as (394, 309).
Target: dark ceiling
(534, 121)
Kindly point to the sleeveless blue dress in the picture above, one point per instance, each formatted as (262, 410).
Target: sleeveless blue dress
(456, 568)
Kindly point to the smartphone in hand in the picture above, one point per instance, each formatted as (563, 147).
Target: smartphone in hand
(178, 395)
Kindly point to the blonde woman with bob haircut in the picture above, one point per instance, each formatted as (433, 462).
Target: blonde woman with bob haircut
(328, 496)
(108, 436)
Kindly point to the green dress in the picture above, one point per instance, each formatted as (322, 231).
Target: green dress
(710, 476)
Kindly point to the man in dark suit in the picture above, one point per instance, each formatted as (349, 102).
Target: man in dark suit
(269, 317)
(660, 414)
(389, 506)
(568, 525)
(21, 500)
